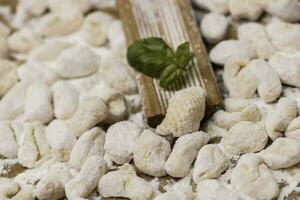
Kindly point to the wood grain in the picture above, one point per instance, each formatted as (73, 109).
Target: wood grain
(151, 104)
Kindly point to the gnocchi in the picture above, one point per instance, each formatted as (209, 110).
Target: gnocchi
(72, 124)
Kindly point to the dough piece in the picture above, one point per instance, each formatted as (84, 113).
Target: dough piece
(115, 72)
(231, 50)
(185, 112)
(49, 50)
(120, 141)
(8, 144)
(287, 10)
(52, 185)
(213, 189)
(287, 66)
(12, 104)
(61, 139)
(8, 187)
(278, 121)
(293, 130)
(214, 27)
(282, 153)
(91, 111)
(184, 153)
(60, 23)
(211, 162)
(38, 106)
(115, 101)
(31, 72)
(269, 86)
(8, 76)
(62, 5)
(65, 99)
(242, 79)
(246, 9)
(257, 36)
(112, 184)
(245, 137)
(77, 62)
(226, 120)
(86, 181)
(150, 153)
(95, 27)
(23, 41)
(239, 79)
(91, 143)
(284, 36)
(28, 152)
(253, 178)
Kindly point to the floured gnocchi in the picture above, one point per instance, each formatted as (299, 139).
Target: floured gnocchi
(72, 124)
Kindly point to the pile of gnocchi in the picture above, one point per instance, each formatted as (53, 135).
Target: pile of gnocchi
(71, 119)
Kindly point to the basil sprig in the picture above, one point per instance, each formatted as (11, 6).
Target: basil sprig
(154, 58)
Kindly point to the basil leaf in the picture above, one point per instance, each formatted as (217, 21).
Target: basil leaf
(150, 56)
(183, 55)
(170, 75)
(153, 57)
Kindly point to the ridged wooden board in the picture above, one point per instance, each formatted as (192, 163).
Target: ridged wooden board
(173, 21)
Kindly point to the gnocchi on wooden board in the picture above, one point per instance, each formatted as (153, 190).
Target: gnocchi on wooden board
(71, 119)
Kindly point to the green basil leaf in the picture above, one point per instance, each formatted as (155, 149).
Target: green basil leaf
(170, 75)
(183, 55)
(150, 56)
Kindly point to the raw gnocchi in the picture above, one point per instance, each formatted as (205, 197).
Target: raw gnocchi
(112, 184)
(72, 124)
(184, 153)
(186, 110)
(245, 137)
(282, 153)
(252, 177)
(150, 153)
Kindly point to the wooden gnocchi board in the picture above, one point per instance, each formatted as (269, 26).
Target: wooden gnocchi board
(173, 21)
